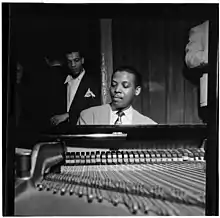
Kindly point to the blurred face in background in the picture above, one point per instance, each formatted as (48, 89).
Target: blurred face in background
(75, 63)
(19, 73)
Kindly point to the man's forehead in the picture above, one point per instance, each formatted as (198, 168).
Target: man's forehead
(123, 75)
(73, 55)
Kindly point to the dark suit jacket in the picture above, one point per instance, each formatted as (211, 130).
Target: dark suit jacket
(80, 102)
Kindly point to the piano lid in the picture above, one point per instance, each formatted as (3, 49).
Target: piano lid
(132, 132)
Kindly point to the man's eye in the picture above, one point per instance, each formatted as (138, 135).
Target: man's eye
(113, 84)
(126, 85)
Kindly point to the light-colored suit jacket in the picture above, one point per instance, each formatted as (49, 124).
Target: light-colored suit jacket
(100, 115)
(197, 48)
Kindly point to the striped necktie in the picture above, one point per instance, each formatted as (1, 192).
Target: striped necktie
(120, 114)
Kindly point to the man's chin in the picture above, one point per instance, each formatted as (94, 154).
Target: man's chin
(74, 74)
(117, 105)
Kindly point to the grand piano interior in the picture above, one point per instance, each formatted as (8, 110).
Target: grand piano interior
(104, 170)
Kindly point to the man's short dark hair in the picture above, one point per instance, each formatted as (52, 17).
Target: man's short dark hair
(69, 51)
(131, 70)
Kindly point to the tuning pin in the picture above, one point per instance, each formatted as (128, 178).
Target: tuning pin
(71, 191)
(134, 189)
(127, 189)
(138, 188)
(134, 208)
(100, 198)
(100, 184)
(146, 208)
(90, 198)
(69, 179)
(40, 187)
(93, 183)
(117, 185)
(48, 188)
(160, 192)
(115, 201)
(62, 191)
(152, 191)
(182, 195)
(80, 193)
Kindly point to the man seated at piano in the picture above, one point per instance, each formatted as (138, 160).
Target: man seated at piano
(125, 86)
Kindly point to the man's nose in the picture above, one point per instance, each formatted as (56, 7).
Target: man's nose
(73, 63)
(118, 88)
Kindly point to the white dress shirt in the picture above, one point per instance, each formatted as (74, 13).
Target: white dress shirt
(72, 87)
(126, 119)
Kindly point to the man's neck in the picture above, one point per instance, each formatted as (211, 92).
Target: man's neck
(76, 76)
(114, 108)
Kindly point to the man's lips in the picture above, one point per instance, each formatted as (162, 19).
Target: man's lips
(117, 98)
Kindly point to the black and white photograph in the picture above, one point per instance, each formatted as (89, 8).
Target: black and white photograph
(110, 109)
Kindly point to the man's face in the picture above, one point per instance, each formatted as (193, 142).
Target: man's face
(75, 63)
(19, 73)
(123, 89)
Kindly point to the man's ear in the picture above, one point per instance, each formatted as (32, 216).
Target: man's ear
(137, 90)
(82, 59)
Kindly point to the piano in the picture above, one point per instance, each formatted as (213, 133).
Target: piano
(157, 170)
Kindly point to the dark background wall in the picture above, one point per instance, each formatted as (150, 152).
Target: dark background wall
(38, 31)
(49, 31)
(149, 37)
(156, 48)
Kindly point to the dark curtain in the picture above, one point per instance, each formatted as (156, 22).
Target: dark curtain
(155, 47)
(38, 33)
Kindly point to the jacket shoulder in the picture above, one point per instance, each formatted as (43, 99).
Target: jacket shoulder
(95, 109)
(142, 120)
(92, 82)
(90, 77)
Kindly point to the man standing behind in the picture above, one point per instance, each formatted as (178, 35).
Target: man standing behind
(81, 91)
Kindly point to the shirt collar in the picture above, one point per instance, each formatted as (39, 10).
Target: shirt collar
(69, 77)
